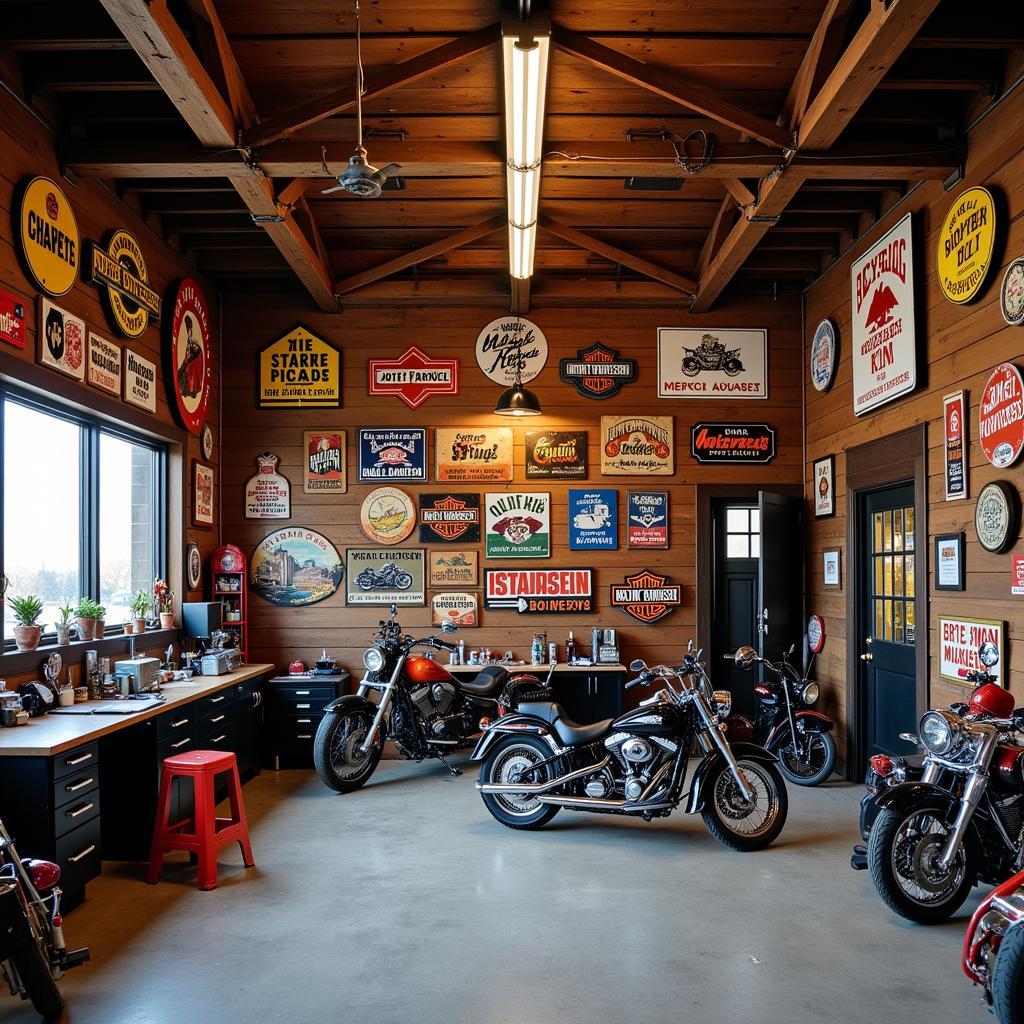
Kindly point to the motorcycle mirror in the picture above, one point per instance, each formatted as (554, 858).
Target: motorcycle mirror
(689, 646)
(988, 654)
(792, 650)
(745, 657)
(638, 665)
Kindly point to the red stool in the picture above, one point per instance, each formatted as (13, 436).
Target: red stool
(205, 835)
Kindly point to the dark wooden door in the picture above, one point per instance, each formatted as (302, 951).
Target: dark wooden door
(781, 575)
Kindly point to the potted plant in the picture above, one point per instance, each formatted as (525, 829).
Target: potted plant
(85, 618)
(163, 598)
(65, 614)
(27, 630)
(139, 605)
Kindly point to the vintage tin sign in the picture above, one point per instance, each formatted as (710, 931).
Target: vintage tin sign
(193, 566)
(954, 414)
(267, 494)
(392, 453)
(387, 515)
(1011, 293)
(462, 609)
(824, 484)
(697, 363)
(103, 364)
(540, 591)
(139, 381)
(824, 353)
(593, 519)
(299, 371)
(294, 567)
(454, 568)
(473, 454)
(510, 344)
(189, 353)
(413, 377)
(732, 442)
(959, 639)
(637, 445)
(61, 340)
(963, 253)
(883, 337)
(12, 319)
(1001, 416)
(120, 270)
(385, 577)
(597, 372)
(518, 524)
(324, 469)
(203, 512)
(1017, 575)
(646, 596)
(997, 516)
(647, 519)
(449, 517)
(556, 455)
(48, 232)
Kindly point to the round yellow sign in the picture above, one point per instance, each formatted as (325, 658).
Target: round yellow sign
(966, 239)
(127, 286)
(49, 236)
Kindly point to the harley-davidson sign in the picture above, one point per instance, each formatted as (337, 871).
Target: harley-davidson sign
(121, 267)
(449, 517)
(414, 377)
(540, 591)
(732, 442)
(646, 596)
(637, 445)
(556, 455)
(597, 372)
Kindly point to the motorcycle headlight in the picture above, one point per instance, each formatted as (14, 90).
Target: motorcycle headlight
(810, 693)
(723, 703)
(373, 659)
(939, 732)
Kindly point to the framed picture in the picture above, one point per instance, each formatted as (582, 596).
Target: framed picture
(454, 568)
(949, 561)
(825, 487)
(202, 495)
(832, 577)
(193, 567)
(959, 640)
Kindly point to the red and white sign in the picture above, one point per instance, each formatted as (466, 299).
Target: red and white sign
(884, 344)
(12, 320)
(414, 377)
(959, 640)
(1001, 416)
(954, 409)
(1017, 575)
(548, 591)
(815, 634)
(268, 494)
(189, 353)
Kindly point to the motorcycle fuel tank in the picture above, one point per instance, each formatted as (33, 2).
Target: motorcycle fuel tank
(425, 670)
(649, 720)
(991, 699)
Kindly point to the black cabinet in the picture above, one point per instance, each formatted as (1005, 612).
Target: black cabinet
(589, 696)
(295, 705)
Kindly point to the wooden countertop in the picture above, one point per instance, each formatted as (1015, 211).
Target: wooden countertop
(52, 734)
(538, 670)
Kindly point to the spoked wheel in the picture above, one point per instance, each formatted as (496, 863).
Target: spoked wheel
(737, 822)
(511, 761)
(690, 366)
(903, 857)
(1008, 978)
(340, 762)
(813, 763)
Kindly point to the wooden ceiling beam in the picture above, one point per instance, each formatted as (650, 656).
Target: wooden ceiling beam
(739, 191)
(377, 84)
(520, 304)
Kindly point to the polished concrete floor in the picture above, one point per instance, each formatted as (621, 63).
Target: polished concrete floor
(406, 903)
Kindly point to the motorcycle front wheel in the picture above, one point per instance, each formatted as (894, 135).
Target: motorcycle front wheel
(903, 853)
(339, 762)
(811, 766)
(38, 982)
(1008, 978)
(690, 366)
(509, 761)
(737, 823)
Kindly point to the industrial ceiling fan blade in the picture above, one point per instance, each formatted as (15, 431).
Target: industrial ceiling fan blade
(333, 188)
(387, 169)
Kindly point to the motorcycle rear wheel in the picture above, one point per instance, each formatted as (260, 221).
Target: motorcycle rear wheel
(38, 982)
(1008, 978)
(508, 761)
(731, 820)
(335, 751)
(817, 767)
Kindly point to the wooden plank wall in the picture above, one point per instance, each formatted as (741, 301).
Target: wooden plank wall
(961, 346)
(280, 634)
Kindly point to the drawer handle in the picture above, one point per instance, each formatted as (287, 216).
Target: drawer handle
(302, 693)
(80, 810)
(219, 718)
(85, 853)
(217, 739)
(216, 700)
(179, 723)
(181, 743)
(305, 707)
(79, 785)
(304, 736)
(305, 721)
(69, 761)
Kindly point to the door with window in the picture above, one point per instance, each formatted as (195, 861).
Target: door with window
(888, 588)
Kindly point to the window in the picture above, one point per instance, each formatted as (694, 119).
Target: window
(892, 577)
(742, 533)
(83, 511)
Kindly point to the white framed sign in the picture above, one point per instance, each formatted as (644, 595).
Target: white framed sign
(824, 352)
(103, 365)
(959, 639)
(713, 363)
(509, 342)
(517, 524)
(268, 494)
(139, 381)
(61, 339)
(883, 344)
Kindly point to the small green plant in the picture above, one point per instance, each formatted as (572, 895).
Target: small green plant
(140, 604)
(27, 609)
(87, 608)
(65, 613)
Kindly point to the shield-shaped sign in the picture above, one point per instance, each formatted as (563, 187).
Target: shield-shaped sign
(646, 596)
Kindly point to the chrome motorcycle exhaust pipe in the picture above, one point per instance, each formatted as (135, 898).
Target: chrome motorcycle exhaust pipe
(543, 787)
(600, 803)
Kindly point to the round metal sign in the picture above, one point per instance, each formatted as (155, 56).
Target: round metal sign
(50, 243)
(815, 633)
(966, 239)
(387, 515)
(997, 516)
(510, 342)
(206, 442)
(824, 350)
(295, 567)
(1011, 293)
(1001, 416)
(189, 351)
(193, 567)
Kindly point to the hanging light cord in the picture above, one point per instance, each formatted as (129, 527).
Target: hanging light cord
(360, 88)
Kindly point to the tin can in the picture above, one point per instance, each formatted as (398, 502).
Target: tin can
(552, 652)
(595, 643)
(537, 649)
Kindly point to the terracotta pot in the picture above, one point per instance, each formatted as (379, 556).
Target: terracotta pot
(97, 630)
(129, 627)
(140, 625)
(167, 620)
(63, 635)
(27, 637)
(86, 628)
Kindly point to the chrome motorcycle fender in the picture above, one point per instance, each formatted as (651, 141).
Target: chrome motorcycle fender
(744, 751)
(906, 794)
(350, 702)
(806, 721)
(513, 725)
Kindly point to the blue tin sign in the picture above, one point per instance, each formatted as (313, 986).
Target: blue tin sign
(396, 453)
(593, 519)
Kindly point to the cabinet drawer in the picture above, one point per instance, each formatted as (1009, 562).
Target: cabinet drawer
(296, 728)
(75, 788)
(175, 723)
(76, 813)
(302, 706)
(302, 691)
(77, 760)
(214, 703)
(78, 855)
(219, 739)
(220, 720)
(170, 747)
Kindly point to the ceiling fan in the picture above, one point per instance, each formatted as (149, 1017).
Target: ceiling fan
(360, 178)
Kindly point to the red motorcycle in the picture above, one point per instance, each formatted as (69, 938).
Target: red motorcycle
(994, 950)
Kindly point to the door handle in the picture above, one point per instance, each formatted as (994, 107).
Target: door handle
(867, 657)
(869, 640)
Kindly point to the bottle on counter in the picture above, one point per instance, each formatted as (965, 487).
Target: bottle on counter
(537, 649)
(93, 677)
(570, 649)
(462, 651)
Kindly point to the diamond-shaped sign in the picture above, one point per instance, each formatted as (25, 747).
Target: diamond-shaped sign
(414, 377)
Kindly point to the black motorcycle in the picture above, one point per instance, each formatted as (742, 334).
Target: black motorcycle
(784, 723)
(537, 761)
(711, 354)
(33, 954)
(387, 577)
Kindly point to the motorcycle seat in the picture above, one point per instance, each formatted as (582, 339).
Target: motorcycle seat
(571, 733)
(487, 682)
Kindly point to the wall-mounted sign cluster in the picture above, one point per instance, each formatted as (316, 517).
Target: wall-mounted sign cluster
(694, 363)
(732, 442)
(392, 453)
(540, 591)
(509, 347)
(413, 377)
(597, 372)
(299, 371)
(294, 567)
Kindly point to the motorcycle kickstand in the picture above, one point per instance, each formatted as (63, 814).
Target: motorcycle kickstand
(456, 772)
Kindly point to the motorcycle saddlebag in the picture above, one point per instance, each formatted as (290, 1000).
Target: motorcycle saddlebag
(15, 932)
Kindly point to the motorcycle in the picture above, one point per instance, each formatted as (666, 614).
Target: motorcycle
(711, 354)
(33, 953)
(882, 774)
(536, 761)
(420, 705)
(993, 954)
(961, 822)
(802, 738)
(387, 577)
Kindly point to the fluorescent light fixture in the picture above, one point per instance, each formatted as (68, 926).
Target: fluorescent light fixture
(525, 49)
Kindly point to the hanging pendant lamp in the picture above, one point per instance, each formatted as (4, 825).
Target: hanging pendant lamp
(517, 400)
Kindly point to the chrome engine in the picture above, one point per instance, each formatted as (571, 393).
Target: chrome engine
(640, 759)
(433, 698)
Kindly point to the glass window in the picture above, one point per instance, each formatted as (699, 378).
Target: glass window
(742, 533)
(892, 551)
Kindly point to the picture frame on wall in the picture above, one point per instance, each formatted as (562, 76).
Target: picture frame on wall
(832, 569)
(825, 487)
(202, 495)
(949, 561)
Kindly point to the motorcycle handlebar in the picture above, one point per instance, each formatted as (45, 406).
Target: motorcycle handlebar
(644, 679)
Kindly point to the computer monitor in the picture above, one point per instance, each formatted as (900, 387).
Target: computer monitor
(201, 619)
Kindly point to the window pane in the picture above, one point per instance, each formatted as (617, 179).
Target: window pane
(737, 520)
(897, 582)
(737, 546)
(878, 531)
(888, 575)
(879, 620)
(910, 579)
(878, 584)
(908, 538)
(127, 558)
(755, 520)
(897, 529)
(41, 516)
(887, 530)
(888, 620)
(898, 623)
(755, 545)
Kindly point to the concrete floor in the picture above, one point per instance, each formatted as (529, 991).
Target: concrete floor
(406, 903)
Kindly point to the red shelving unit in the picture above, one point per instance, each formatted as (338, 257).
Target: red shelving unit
(229, 584)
